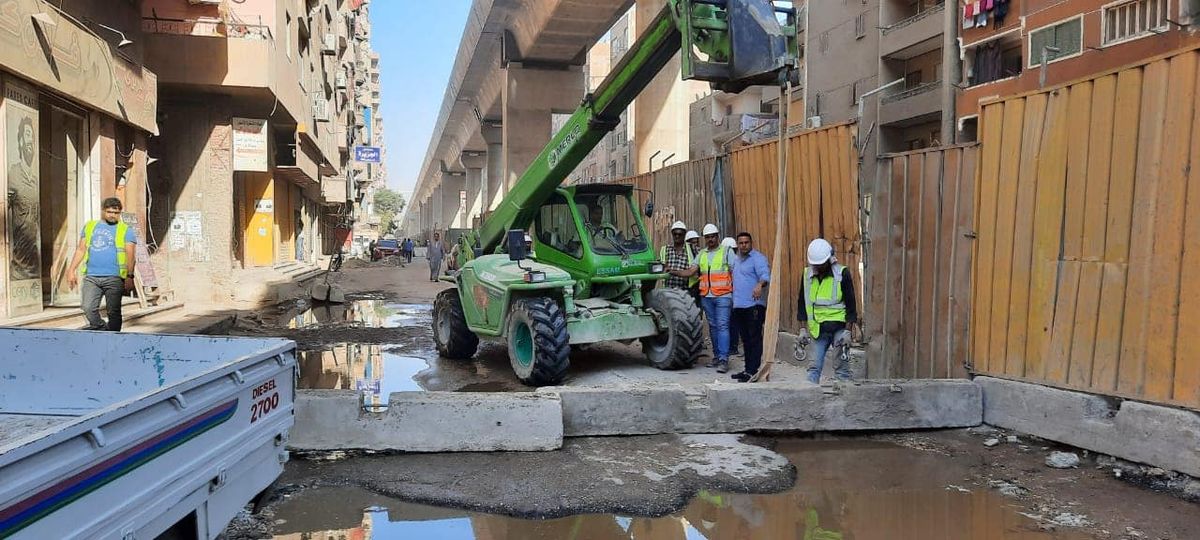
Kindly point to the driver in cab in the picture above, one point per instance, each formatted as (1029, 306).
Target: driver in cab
(597, 228)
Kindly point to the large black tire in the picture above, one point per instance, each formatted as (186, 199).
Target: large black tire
(454, 340)
(680, 345)
(539, 347)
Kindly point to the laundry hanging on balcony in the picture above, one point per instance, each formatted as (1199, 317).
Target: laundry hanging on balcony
(975, 13)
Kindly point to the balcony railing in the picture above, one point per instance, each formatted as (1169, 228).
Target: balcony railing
(913, 19)
(914, 91)
(206, 28)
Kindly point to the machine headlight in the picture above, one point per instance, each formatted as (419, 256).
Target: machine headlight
(656, 268)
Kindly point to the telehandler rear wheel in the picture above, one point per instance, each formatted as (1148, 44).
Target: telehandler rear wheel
(680, 345)
(454, 340)
(538, 345)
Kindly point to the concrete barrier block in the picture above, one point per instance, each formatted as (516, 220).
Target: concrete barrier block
(621, 410)
(874, 405)
(429, 422)
(1152, 434)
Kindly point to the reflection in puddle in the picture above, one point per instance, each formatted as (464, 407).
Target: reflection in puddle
(366, 368)
(843, 491)
(369, 313)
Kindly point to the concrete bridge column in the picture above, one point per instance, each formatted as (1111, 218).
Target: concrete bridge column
(474, 162)
(453, 214)
(491, 192)
(530, 96)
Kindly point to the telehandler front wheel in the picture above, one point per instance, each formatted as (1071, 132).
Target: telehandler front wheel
(454, 339)
(679, 345)
(538, 345)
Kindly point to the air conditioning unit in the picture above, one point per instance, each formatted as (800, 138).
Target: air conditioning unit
(329, 43)
(320, 109)
(814, 122)
(340, 79)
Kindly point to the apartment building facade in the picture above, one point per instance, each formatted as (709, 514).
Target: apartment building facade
(79, 105)
(263, 104)
(1039, 43)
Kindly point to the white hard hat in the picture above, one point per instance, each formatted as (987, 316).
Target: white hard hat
(710, 229)
(691, 234)
(819, 251)
(728, 242)
(678, 225)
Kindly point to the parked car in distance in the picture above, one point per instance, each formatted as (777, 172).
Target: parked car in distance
(385, 248)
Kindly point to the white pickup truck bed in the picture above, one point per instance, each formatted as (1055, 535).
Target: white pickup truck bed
(125, 436)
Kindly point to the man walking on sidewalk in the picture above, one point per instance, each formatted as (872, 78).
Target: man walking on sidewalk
(106, 249)
(751, 276)
(826, 306)
(678, 259)
(437, 250)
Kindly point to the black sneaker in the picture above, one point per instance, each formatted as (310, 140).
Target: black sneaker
(741, 377)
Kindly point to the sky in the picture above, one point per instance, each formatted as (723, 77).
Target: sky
(417, 41)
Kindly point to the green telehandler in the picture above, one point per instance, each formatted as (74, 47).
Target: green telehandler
(591, 272)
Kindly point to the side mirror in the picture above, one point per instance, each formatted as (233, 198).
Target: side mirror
(650, 208)
(516, 245)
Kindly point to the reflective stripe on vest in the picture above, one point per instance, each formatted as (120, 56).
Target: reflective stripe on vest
(719, 283)
(823, 300)
(122, 263)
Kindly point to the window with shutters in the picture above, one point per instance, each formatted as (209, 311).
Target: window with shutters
(860, 26)
(1066, 37)
(1133, 19)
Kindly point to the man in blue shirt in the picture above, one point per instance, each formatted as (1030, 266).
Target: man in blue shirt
(106, 250)
(751, 276)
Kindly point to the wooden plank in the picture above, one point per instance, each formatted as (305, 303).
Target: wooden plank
(1016, 362)
(894, 307)
(961, 254)
(1083, 335)
(1187, 364)
(1079, 111)
(912, 276)
(943, 271)
(1127, 103)
(1006, 208)
(1131, 376)
(1167, 233)
(984, 227)
(1051, 299)
(927, 253)
(1095, 216)
(876, 274)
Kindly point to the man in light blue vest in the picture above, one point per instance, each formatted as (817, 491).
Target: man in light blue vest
(106, 251)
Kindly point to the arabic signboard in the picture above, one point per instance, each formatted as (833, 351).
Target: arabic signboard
(249, 144)
(366, 154)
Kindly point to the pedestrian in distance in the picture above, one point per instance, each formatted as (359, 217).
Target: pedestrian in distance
(716, 293)
(827, 307)
(106, 251)
(408, 250)
(678, 259)
(437, 251)
(751, 277)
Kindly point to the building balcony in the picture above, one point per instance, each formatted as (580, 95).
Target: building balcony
(333, 190)
(915, 35)
(911, 105)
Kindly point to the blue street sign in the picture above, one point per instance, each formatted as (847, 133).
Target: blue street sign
(366, 154)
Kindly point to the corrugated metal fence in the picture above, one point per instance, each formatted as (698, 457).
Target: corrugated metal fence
(822, 201)
(921, 216)
(1088, 258)
(681, 192)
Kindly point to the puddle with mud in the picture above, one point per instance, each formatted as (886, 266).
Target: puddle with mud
(843, 491)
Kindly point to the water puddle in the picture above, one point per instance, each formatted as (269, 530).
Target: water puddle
(362, 313)
(366, 368)
(843, 492)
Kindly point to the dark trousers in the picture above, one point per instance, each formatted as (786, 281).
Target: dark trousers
(748, 324)
(112, 288)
